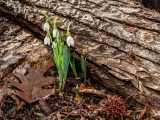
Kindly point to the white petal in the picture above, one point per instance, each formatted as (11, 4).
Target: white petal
(54, 33)
(46, 26)
(45, 40)
(70, 41)
(48, 41)
(68, 44)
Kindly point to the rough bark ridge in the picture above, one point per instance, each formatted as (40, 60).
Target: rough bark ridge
(120, 39)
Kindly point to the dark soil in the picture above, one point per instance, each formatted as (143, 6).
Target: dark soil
(65, 107)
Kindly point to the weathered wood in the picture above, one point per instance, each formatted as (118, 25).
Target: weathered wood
(120, 39)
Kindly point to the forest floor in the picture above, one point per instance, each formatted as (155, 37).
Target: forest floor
(93, 103)
(19, 50)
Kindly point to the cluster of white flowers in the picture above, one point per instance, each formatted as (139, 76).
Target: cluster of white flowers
(47, 41)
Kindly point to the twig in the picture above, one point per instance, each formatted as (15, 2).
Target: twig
(142, 112)
(22, 103)
(48, 118)
(100, 93)
(67, 115)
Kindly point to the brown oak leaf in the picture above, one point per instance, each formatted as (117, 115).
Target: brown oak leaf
(31, 87)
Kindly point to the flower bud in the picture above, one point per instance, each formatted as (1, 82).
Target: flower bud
(54, 33)
(46, 26)
(47, 40)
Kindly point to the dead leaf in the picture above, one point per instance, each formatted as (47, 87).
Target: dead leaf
(78, 99)
(30, 88)
(59, 116)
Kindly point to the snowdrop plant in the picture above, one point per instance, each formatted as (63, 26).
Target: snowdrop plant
(61, 52)
(48, 38)
(61, 55)
(76, 91)
(46, 25)
(70, 42)
(55, 30)
(46, 28)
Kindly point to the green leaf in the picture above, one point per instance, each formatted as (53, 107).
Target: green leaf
(73, 66)
(58, 38)
(66, 56)
(76, 91)
(42, 117)
(55, 53)
(84, 69)
(61, 46)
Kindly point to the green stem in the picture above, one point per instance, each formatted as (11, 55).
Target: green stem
(49, 34)
(47, 17)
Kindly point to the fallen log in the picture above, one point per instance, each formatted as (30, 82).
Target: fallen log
(120, 39)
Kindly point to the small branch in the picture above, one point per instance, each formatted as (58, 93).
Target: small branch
(100, 93)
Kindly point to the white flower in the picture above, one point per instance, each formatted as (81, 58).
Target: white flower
(54, 45)
(46, 26)
(47, 40)
(70, 41)
(54, 33)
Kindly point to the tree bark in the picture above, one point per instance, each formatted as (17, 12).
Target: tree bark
(120, 39)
